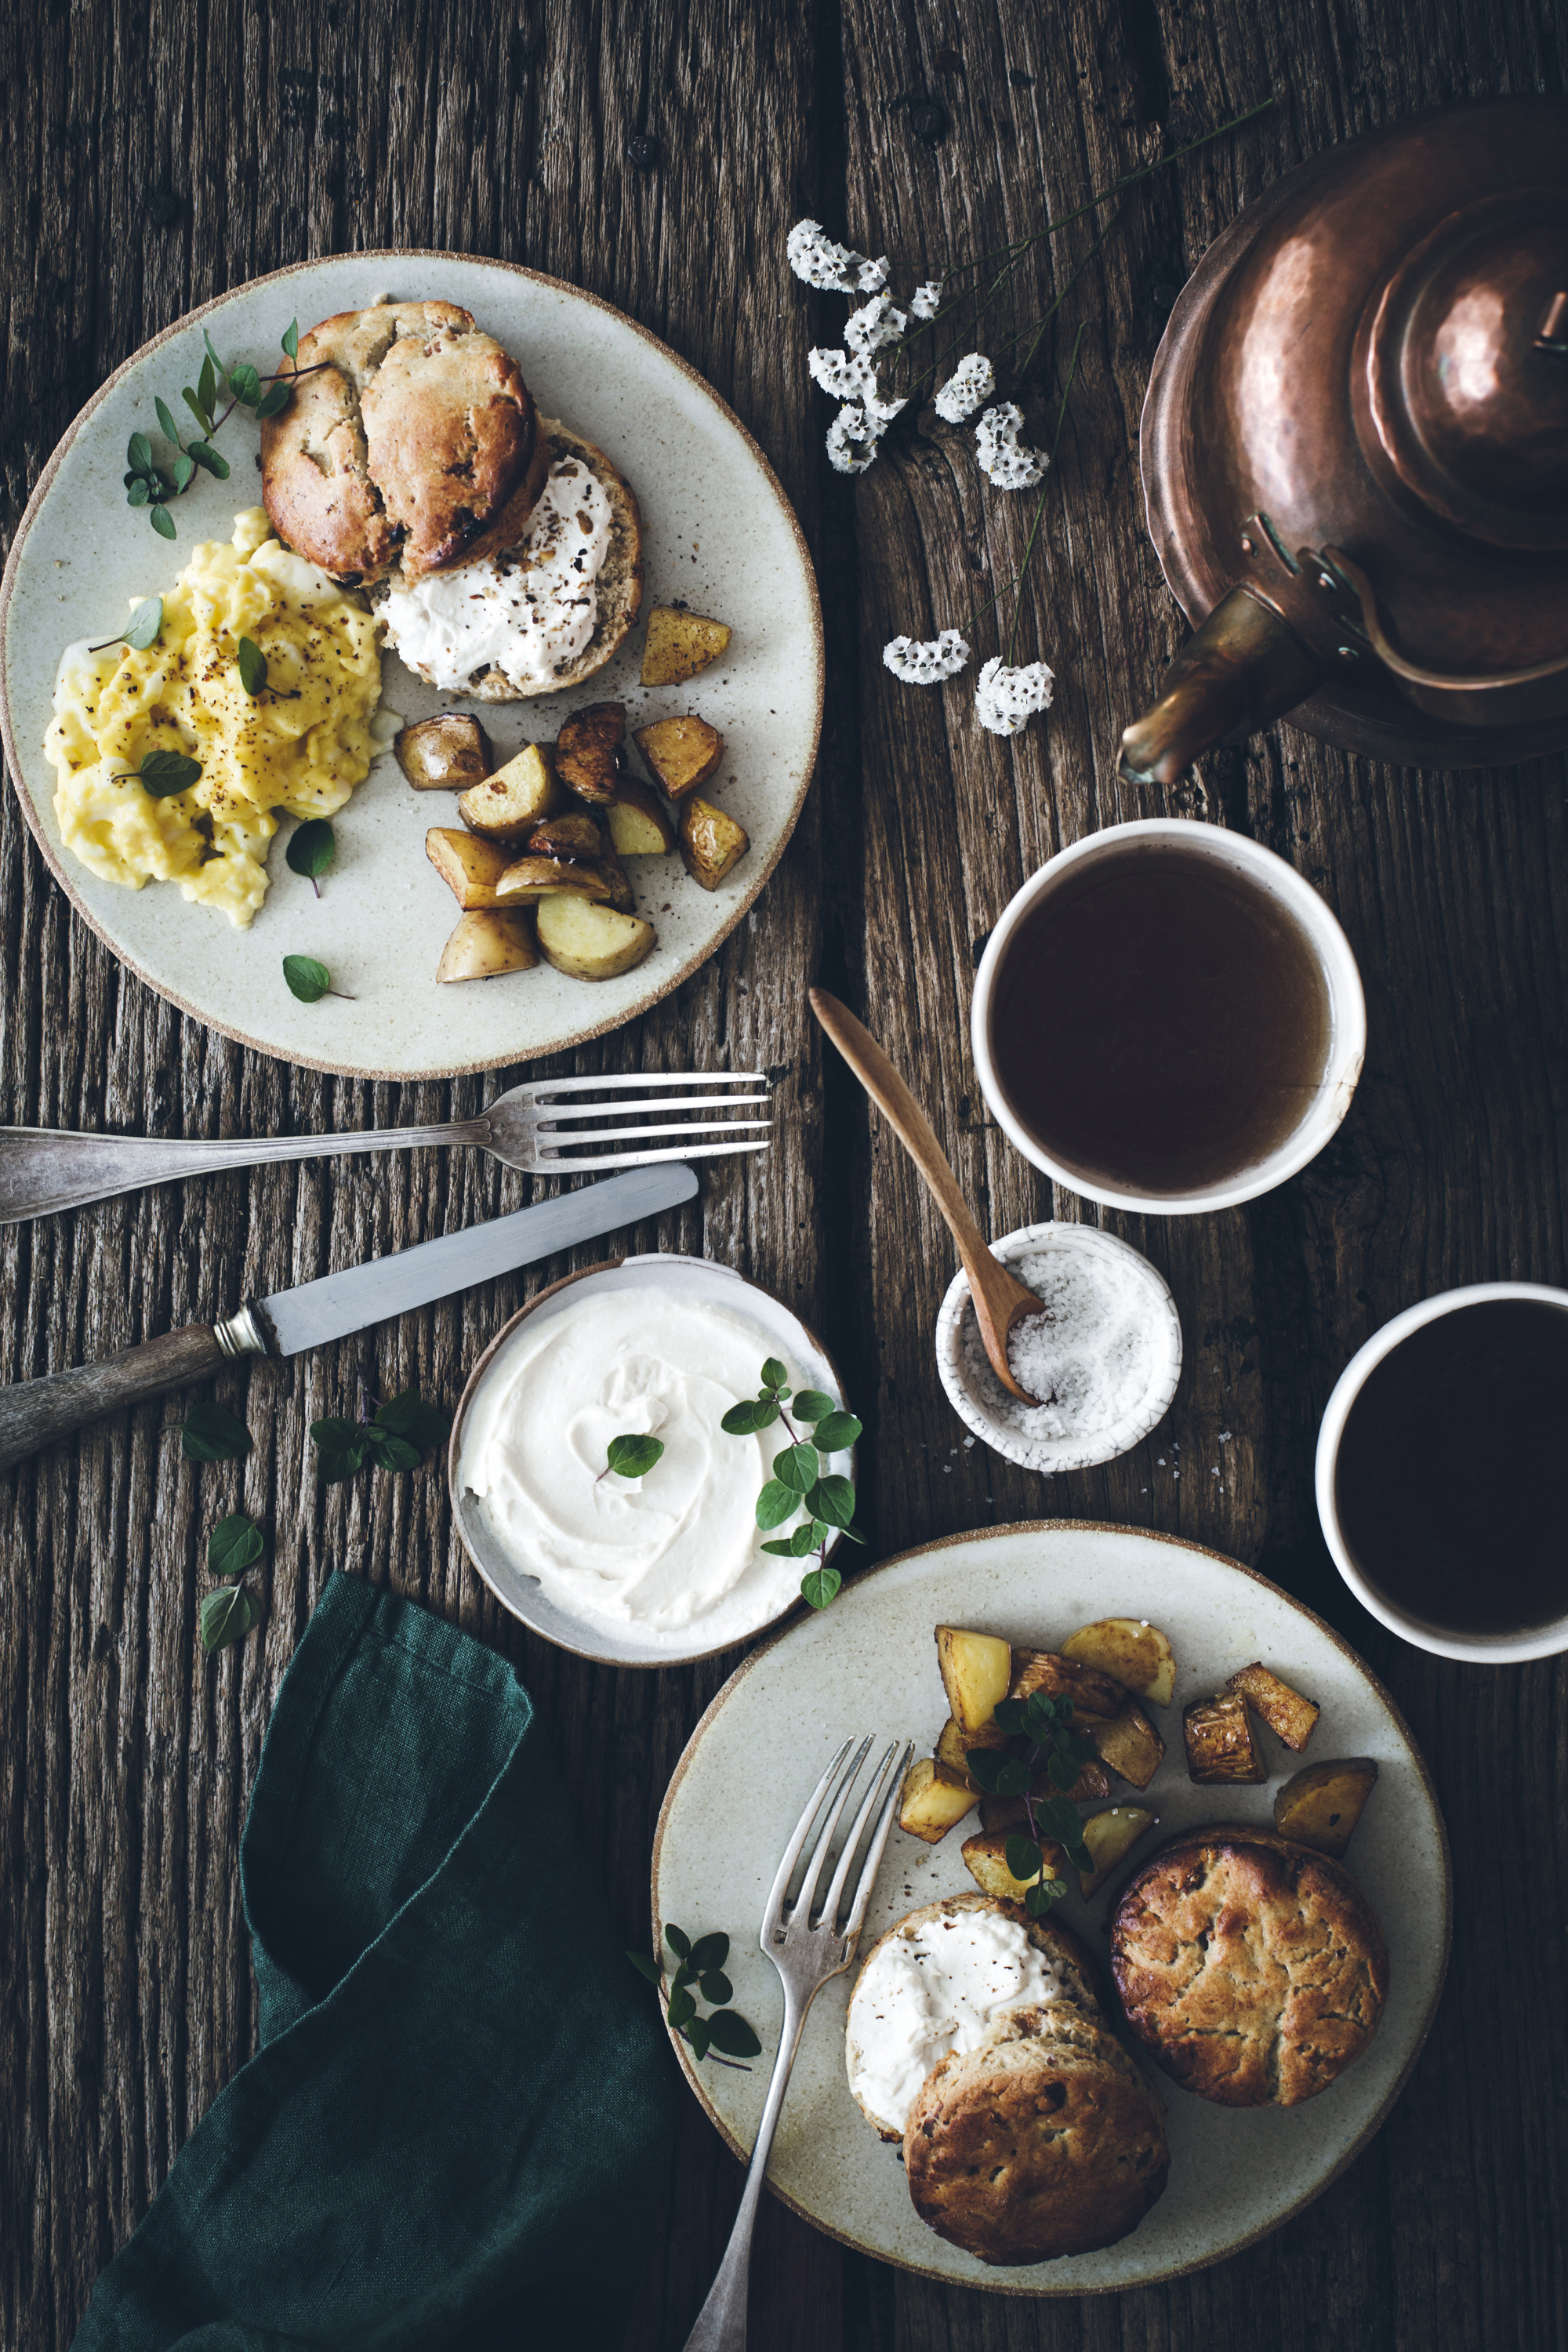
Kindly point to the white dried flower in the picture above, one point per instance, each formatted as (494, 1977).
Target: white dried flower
(973, 381)
(1006, 700)
(851, 441)
(871, 275)
(874, 326)
(927, 299)
(835, 269)
(845, 374)
(880, 413)
(1003, 458)
(927, 664)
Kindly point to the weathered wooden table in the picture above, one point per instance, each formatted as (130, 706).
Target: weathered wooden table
(157, 153)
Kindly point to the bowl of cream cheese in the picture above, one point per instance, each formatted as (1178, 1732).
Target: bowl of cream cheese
(656, 1570)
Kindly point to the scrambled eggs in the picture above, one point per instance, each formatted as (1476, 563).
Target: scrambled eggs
(301, 747)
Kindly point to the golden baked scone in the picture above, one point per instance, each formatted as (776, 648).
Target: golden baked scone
(1046, 2140)
(1252, 1967)
(1055, 1944)
(414, 445)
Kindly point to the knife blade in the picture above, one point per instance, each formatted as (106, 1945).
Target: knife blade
(34, 1413)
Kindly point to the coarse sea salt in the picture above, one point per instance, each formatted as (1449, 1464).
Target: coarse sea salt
(1090, 1357)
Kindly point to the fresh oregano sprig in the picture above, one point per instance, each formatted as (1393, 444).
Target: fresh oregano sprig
(631, 1456)
(1040, 1741)
(227, 1616)
(801, 1480)
(141, 630)
(724, 2029)
(396, 1436)
(312, 848)
(152, 481)
(161, 773)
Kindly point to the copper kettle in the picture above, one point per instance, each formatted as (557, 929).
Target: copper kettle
(1355, 453)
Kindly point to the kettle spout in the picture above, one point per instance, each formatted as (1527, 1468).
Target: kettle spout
(1245, 667)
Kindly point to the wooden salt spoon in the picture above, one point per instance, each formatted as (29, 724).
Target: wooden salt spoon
(1000, 1299)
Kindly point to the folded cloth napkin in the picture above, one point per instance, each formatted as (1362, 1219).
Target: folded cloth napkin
(452, 2132)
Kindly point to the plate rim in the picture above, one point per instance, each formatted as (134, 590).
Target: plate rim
(746, 899)
(990, 2284)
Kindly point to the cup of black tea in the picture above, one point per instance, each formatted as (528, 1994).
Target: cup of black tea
(1440, 1472)
(1168, 1018)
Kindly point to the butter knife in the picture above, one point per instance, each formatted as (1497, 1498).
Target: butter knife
(36, 1413)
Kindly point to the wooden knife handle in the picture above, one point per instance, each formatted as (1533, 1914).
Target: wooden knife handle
(36, 1413)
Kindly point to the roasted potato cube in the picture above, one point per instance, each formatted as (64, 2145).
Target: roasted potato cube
(588, 942)
(1108, 1837)
(976, 1669)
(1289, 1717)
(509, 805)
(711, 843)
(524, 881)
(1094, 1697)
(1220, 1745)
(443, 755)
(986, 1859)
(638, 826)
(1321, 1805)
(679, 644)
(952, 1747)
(486, 943)
(574, 835)
(589, 759)
(1131, 1745)
(682, 752)
(1135, 1655)
(932, 1800)
(470, 865)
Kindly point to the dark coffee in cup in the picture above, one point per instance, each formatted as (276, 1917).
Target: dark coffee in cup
(1159, 1022)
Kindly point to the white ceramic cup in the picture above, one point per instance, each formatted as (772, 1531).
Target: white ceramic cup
(1347, 1010)
(1479, 1649)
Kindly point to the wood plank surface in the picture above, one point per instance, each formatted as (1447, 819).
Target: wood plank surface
(159, 151)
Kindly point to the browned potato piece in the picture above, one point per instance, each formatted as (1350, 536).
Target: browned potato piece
(1108, 1837)
(588, 942)
(1135, 1655)
(682, 752)
(953, 1745)
(486, 943)
(679, 644)
(1320, 1805)
(1095, 1699)
(638, 826)
(986, 1859)
(526, 880)
(470, 865)
(443, 755)
(932, 1800)
(711, 843)
(588, 755)
(1220, 1745)
(575, 834)
(975, 1669)
(1131, 1745)
(509, 805)
(622, 897)
(1289, 1717)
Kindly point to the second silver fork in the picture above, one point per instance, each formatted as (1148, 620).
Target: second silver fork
(545, 1127)
(807, 1945)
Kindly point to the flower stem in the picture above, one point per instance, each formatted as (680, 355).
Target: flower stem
(1040, 510)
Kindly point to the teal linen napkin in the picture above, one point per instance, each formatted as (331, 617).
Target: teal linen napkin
(452, 2134)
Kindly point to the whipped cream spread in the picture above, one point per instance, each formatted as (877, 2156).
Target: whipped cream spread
(935, 1989)
(529, 613)
(675, 1550)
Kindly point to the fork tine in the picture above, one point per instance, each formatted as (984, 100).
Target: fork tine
(659, 1102)
(805, 1898)
(873, 1861)
(666, 1127)
(541, 1088)
(876, 1788)
(571, 1161)
(773, 1910)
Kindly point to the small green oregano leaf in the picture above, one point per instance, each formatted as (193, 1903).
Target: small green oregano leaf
(776, 1376)
(730, 2033)
(162, 522)
(819, 1586)
(252, 663)
(209, 1433)
(234, 1544)
(227, 1616)
(812, 1404)
(775, 1504)
(412, 1416)
(307, 978)
(644, 1964)
(292, 339)
(632, 1456)
(312, 848)
(835, 1432)
(795, 1468)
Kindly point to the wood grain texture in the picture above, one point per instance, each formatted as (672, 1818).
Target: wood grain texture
(278, 131)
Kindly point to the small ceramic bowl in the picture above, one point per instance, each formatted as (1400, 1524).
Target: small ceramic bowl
(1048, 1454)
(779, 1332)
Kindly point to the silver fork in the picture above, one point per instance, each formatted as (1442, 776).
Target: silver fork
(540, 1128)
(806, 1951)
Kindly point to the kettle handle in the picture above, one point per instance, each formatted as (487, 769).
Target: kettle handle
(1438, 681)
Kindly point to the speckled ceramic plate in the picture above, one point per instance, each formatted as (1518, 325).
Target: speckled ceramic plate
(868, 1665)
(718, 533)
